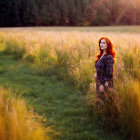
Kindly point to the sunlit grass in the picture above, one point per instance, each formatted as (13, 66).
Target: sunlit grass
(16, 121)
(70, 55)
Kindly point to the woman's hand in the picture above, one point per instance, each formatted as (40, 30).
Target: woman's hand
(101, 88)
(95, 76)
(106, 83)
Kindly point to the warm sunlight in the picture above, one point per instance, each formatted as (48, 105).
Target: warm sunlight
(69, 69)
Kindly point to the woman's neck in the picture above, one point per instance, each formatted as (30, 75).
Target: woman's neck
(104, 52)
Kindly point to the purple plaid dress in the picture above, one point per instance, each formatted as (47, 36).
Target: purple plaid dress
(104, 69)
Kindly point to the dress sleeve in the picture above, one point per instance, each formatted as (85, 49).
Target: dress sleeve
(109, 68)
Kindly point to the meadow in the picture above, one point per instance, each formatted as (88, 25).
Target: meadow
(54, 67)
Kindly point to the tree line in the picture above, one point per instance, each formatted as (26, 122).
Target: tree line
(69, 12)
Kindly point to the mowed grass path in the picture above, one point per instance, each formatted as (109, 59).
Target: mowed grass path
(64, 108)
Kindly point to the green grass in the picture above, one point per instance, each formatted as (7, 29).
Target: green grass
(31, 54)
(64, 108)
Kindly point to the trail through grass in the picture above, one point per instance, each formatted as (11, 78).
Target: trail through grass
(64, 108)
(70, 56)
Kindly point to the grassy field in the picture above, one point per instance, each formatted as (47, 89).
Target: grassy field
(105, 29)
(63, 108)
(54, 68)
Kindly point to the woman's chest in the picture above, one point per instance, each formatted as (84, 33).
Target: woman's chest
(100, 65)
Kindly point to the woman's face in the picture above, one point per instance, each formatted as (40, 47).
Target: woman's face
(103, 44)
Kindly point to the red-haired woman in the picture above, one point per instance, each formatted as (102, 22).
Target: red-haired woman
(104, 65)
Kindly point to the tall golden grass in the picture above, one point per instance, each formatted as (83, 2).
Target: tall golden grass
(16, 122)
(118, 110)
(70, 55)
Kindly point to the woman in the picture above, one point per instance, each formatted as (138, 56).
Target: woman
(104, 65)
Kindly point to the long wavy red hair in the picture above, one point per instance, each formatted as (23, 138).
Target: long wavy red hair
(109, 49)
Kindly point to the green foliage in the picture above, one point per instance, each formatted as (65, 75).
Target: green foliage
(131, 63)
(62, 107)
(72, 61)
(29, 58)
(68, 12)
(128, 62)
(13, 47)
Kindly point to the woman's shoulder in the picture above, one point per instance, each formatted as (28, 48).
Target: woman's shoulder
(109, 57)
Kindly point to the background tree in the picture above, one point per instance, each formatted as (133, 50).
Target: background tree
(69, 12)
